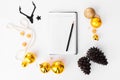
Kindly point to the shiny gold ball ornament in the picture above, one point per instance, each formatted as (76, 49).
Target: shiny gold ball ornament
(24, 64)
(96, 22)
(95, 37)
(57, 67)
(29, 57)
(89, 13)
(44, 67)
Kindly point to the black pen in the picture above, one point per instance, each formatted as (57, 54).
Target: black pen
(70, 36)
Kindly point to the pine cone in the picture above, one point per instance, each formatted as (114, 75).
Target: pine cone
(84, 64)
(96, 55)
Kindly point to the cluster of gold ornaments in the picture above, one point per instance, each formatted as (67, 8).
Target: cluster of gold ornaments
(95, 21)
(57, 67)
(30, 56)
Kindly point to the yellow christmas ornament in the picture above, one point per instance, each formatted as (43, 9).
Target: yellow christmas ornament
(28, 59)
(95, 37)
(44, 67)
(58, 67)
(24, 64)
(96, 22)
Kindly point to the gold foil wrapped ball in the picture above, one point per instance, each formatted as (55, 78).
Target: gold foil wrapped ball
(58, 67)
(95, 37)
(89, 13)
(24, 64)
(29, 57)
(96, 22)
(44, 67)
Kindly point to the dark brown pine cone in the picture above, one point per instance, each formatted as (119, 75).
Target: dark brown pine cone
(96, 55)
(84, 64)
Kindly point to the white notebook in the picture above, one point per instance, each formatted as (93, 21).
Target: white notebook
(60, 24)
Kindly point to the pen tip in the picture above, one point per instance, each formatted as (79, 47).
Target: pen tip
(73, 23)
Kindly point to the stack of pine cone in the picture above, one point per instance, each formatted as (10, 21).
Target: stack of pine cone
(93, 54)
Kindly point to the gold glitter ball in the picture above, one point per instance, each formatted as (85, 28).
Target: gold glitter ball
(95, 37)
(30, 57)
(96, 22)
(24, 64)
(44, 67)
(58, 67)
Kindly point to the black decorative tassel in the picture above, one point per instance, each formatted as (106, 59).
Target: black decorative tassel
(96, 55)
(84, 64)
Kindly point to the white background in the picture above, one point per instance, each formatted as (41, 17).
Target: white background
(10, 68)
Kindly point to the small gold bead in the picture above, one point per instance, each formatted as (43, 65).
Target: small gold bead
(22, 33)
(24, 44)
(89, 13)
(28, 35)
(94, 31)
(96, 22)
(95, 37)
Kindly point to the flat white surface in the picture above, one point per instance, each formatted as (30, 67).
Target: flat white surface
(10, 41)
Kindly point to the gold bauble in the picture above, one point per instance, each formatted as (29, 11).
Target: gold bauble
(24, 64)
(44, 67)
(89, 13)
(29, 57)
(58, 67)
(96, 22)
(95, 37)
